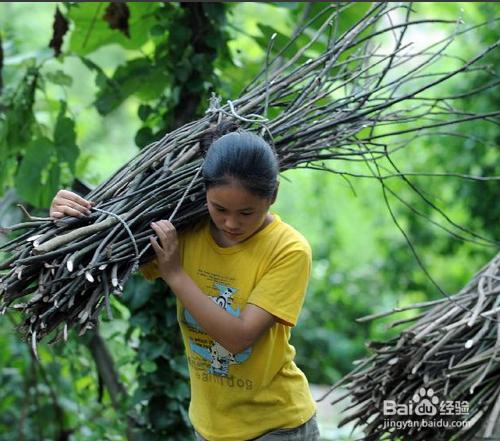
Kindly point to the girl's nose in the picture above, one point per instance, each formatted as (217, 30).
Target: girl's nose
(231, 223)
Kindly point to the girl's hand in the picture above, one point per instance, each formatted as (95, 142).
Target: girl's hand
(167, 250)
(67, 203)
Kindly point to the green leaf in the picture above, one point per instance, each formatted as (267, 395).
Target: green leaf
(7, 170)
(59, 77)
(170, 318)
(137, 298)
(144, 136)
(179, 36)
(91, 31)
(149, 366)
(144, 111)
(37, 179)
(179, 365)
(151, 350)
(65, 139)
(140, 395)
(158, 31)
(17, 127)
(149, 435)
(143, 321)
(158, 416)
(215, 11)
(137, 76)
(101, 78)
(179, 390)
(279, 42)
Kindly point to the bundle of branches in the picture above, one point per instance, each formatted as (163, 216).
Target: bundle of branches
(342, 95)
(453, 349)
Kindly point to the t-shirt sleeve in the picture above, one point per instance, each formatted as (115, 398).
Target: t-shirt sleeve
(281, 291)
(150, 270)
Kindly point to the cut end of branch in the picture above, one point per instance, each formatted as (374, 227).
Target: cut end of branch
(89, 277)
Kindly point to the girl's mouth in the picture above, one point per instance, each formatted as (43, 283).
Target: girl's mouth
(232, 234)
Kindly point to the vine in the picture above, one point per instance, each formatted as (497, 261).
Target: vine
(188, 57)
(196, 37)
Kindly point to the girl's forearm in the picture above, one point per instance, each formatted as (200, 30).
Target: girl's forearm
(224, 328)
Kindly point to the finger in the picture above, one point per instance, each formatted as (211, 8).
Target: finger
(166, 232)
(75, 198)
(154, 243)
(68, 211)
(166, 226)
(74, 205)
(162, 236)
(167, 237)
(157, 229)
(56, 214)
(77, 206)
(66, 194)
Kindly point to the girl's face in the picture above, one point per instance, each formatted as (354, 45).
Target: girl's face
(236, 213)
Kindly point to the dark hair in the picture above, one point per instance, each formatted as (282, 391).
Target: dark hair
(243, 156)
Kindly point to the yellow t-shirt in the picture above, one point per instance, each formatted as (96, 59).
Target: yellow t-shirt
(236, 397)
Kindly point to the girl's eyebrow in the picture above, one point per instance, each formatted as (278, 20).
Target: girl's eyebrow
(241, 209)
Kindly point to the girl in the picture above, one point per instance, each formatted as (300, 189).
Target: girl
(240, 278)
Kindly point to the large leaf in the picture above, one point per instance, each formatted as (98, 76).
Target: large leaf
(101, 79)
(138, 76)
(65, 139)
(59, 77)
(17, 126)
(91, 31)
(37, 179)
(280, 41)
(7, 171)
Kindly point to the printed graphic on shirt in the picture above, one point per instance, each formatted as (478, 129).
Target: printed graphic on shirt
(220, 358)
(225, 297)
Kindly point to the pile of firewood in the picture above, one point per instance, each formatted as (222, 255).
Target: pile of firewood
(452, 348)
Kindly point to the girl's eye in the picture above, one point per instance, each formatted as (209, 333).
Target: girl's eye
(246, 214)
(220, 209)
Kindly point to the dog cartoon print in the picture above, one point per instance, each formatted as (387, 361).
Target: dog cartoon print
(220, 358)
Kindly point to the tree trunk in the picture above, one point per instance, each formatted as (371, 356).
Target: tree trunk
(107, 372)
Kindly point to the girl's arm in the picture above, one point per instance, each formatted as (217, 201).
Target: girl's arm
(234, 333)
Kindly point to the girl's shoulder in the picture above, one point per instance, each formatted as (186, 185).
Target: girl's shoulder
(288, 238)
(295, 238)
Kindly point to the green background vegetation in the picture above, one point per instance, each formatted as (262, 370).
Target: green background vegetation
(85, 113)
